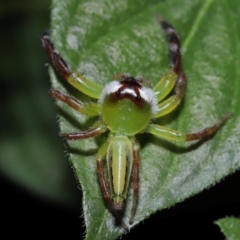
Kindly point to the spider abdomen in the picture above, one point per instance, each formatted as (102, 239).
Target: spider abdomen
(119, 162)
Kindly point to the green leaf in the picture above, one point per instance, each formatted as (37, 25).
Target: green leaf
(102, 37)
(230, 227)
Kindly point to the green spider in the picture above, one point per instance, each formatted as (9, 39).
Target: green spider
(126, 108)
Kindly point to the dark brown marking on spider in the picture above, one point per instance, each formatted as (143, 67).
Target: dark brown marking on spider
(129, 89)
(140, 80)
(135, 174)
(56, 61)
(92, 132)
(131, 82)
(137, 100)
(208, 130)
(180, 85)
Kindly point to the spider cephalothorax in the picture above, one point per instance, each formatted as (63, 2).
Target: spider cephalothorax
(126, 108)
(122, 104)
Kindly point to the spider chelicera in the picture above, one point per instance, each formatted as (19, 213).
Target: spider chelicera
(126, 108)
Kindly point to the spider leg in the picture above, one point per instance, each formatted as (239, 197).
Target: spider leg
(92, 132)
(101, 176)
(77, 80)
(136, 161)
(167, 106)
(144, 81)
(170, 134)
(174, 56)
(103, 183)
(89, 109)
(165, 85)
(175, 78)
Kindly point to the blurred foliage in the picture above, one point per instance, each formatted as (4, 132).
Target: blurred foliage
(31, 153)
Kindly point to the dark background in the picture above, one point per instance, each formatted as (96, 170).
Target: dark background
(27, 109)
(28, 216)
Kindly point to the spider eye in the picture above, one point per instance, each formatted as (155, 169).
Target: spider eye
(138, 97)
(117, 93)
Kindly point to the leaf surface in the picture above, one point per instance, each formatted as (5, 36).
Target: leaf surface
(102, 37)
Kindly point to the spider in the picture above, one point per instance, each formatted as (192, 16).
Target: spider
(126, 106)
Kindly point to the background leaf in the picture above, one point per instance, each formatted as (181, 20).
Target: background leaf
(29, 156)
(230, 227)
(100, 38)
